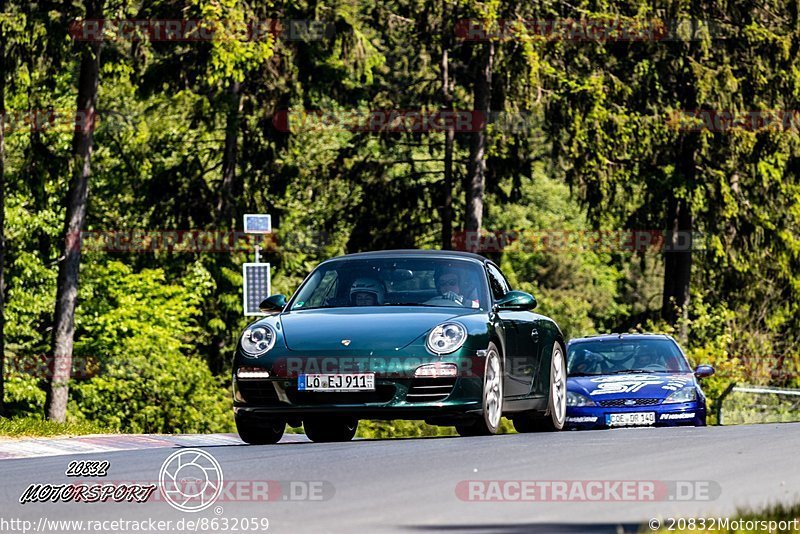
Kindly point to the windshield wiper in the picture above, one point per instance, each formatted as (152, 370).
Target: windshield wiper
(583, 374)
(630, 371)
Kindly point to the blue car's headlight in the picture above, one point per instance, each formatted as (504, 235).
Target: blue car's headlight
(576, 399)
(258, 340)
(687, 394)
(446, 338)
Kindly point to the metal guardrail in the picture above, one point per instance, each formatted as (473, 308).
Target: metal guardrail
(759, 390)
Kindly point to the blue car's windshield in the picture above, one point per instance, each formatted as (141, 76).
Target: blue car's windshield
(611, 356)
(440, 282)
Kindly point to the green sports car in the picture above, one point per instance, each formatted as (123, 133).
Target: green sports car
(410, 334)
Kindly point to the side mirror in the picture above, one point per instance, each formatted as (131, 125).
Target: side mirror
(703, 371)
(516, 300)
(273, 304)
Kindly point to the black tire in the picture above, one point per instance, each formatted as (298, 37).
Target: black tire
(525, 423)
(259, 430)
(330, 429)
(466, 430)
(555, 416)
(488, 422)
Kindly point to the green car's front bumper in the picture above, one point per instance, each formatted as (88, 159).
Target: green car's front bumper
(398, 393)
(405, 398)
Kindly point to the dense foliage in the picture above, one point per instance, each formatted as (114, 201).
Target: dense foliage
(585, 134)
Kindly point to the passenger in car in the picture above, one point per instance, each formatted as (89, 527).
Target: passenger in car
(367, 292)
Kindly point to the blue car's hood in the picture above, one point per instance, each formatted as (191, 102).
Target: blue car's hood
(369, 328)
(629, 386)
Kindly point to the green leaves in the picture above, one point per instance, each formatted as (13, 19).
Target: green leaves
(146, 334)
(155, 391)
(123, 312)
(233, 53)
(605, 127)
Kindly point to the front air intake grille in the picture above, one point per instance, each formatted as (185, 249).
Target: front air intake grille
(624, 403)
(383, 393)
(430, 389)
(257, 391)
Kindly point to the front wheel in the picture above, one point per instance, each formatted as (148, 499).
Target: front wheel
(259, 431)
(489, 422)
(330, 429)
(556, 413)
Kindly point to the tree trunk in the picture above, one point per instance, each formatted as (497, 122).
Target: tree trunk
(679, 223)
(225, 216)
(225, 213)
(449, 139)
(476, 170)
(69, 264)
(2, 213)
(678, 244)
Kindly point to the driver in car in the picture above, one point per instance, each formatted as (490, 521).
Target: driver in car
(367, 292)
(448, 286)
(647, 359)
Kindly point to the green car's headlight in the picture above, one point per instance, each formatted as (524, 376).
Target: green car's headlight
(576, 399)
(446, 338)
(687, 394)
(258, 340)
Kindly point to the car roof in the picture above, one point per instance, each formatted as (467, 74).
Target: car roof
(413, 252)
(618, 336)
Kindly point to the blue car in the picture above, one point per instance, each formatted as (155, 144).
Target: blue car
(619, 380)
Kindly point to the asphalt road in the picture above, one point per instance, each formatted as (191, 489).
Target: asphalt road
(420, 485)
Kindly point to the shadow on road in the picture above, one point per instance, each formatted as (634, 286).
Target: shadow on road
(520, 528)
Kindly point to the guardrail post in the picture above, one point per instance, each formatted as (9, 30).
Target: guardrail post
(721, 399)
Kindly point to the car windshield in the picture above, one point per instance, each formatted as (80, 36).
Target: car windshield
(625, 355)
(439, 282)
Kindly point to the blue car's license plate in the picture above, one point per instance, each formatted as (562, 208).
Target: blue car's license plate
(631, 419)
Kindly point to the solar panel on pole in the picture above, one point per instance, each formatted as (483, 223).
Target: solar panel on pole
(256, 286)
(257, 223)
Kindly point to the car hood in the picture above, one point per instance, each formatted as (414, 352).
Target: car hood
(629, 386)
(370, 328)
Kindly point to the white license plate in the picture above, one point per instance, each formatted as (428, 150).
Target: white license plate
(337, 382)
(631, 419)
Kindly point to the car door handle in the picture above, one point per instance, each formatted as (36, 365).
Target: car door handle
(535, 334)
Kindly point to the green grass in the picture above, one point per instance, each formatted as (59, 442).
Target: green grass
(775, 512)
(35, 426)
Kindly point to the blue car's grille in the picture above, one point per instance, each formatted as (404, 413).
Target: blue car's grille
(622, 403)
(430, 389)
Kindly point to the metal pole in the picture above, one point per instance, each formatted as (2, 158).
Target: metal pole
(721, 399)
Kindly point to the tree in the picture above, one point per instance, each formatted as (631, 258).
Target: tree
(476, 168)
(446, 210)
(69, 265)
(2, 204)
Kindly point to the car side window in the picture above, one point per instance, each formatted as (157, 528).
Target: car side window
(497, 282)
(325, 290)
